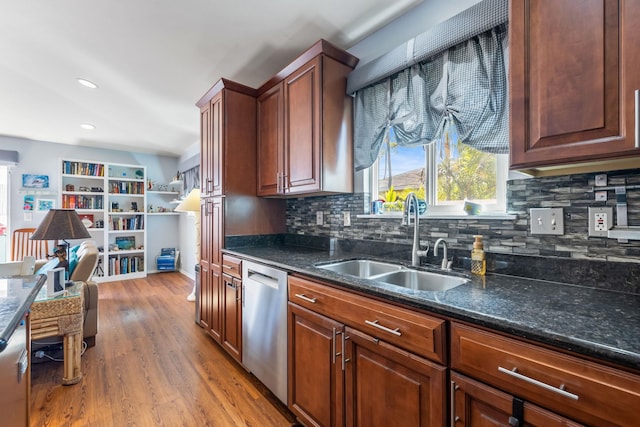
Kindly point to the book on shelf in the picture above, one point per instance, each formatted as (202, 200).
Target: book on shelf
(82, 168)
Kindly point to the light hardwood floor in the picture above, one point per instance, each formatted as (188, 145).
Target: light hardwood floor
(152, 366)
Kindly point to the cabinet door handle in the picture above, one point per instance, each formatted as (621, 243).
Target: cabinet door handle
(278, 182)
(306, 298)
(231, 285)
(375, 324)
(637, 103)
(452, 395)
(344, 350)
(285, 186)
(559, 390)
(333, 346)
(23, 365)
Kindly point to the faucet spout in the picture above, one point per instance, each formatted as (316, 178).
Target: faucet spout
(445, 259)
(416, 253)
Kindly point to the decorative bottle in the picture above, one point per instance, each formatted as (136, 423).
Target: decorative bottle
(478, 261)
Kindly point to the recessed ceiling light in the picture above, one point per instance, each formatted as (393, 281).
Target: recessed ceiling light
(87, 126)
(87, 83)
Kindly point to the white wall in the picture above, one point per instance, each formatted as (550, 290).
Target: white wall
(44, 158)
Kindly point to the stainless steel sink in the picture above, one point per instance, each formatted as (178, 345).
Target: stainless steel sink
(421, 280)
(395, 274)
(361, 267)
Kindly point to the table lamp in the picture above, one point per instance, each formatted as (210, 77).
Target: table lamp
(61, 224)
(191, 204)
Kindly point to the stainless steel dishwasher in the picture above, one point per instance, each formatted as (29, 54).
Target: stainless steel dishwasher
(264, 325)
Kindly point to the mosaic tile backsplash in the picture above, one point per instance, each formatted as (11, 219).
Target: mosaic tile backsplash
(574, 193)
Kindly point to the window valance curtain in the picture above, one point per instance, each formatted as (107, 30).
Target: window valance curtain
(190, 179)
(463, 87)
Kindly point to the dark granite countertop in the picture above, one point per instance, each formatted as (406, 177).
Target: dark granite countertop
(16, 295)
(598, 323)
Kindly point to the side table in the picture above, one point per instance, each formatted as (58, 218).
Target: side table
(62, 315)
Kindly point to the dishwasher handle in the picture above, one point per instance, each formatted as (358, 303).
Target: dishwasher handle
(263, 280)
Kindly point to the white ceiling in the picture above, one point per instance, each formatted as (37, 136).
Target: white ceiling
(152, 60)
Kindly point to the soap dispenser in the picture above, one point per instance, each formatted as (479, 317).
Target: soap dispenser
(478, 261)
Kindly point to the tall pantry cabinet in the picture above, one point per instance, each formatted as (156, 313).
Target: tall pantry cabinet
(229, 206)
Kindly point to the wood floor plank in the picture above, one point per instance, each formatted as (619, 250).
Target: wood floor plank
(152, 366)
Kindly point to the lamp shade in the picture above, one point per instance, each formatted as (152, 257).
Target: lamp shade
(61, 224)
(191, 203)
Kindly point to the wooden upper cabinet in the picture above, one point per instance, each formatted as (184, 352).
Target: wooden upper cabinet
(216, 146)
(270, 141)
(228, 140)
(302, 129)
(573, 77)
(205, 143)
(305, 126)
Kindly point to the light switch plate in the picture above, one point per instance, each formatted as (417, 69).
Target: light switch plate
(600, 221)
(347, 218)
(319, 218)
(547, 221)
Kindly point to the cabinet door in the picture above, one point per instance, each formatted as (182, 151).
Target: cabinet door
(217, 293)
(205, 295)
(316, 381)
(232, 314)
(217, 144)
(205, 150)
(216, 237)
(477, 405)
(270, 142)
(573, 74)
(302, 95)
(388, 386)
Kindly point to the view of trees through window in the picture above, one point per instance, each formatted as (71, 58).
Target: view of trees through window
(462, 173)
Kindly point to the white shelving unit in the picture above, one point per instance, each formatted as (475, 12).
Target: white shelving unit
(161, 201)
(111, 197)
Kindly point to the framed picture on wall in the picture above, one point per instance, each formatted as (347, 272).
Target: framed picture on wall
(44, 205)
(35, 181)
(28, 203)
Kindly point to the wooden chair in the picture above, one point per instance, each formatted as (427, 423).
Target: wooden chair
(21, 246)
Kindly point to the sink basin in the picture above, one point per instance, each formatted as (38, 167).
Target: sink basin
(361, 267)
(421, 280)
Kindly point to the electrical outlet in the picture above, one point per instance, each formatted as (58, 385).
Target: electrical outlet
(601, 180)
(347, 218)
(600, 221)
(319, 218)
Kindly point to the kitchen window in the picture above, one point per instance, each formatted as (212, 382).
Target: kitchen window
(444, 174)
(439, 128)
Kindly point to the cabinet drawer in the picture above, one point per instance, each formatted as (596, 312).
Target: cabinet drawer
(405, 328)
(582, 390)
(232, 266)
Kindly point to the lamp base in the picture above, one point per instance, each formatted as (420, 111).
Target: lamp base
(192, 295)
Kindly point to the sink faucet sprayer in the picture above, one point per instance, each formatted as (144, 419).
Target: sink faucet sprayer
(416, 253)
(446, 264)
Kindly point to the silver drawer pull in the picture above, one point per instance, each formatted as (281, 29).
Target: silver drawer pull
(306, 298)
(226, 266)
(559, 390)
(375, 324)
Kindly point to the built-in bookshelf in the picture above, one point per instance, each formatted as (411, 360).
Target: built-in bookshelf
(110, 198)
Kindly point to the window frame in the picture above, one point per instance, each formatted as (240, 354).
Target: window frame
(502, 175)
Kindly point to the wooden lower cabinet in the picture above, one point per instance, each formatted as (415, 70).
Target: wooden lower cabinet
(316, 378)
(215, 313)
(232, 316)
(386, 386)
(376, 384)
(474, 404)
